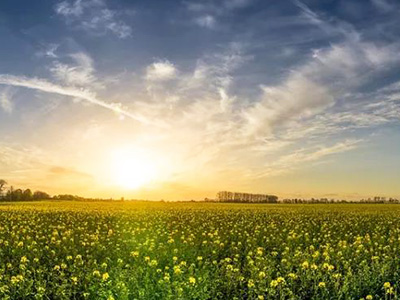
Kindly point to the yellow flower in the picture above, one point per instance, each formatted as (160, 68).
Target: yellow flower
(74, 280)
(24, 259)
(177, 270)
(305, 265)
(250, 284)
(280, 280)
(386, 285)
(192, 280)
(260, 297)
(105, 276)
(56, 268)
(321, 284)
(262, 274)
(96, 273)
(135, 253)
(153, 263)
(274, 283)
(390, 291)
(14, 280)
(369, 297)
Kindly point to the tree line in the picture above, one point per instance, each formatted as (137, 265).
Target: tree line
(375, 200)
(17, 194)
(225, 196)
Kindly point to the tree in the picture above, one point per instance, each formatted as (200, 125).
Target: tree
(17, 195)
(10, 194)
(38, 195)
(3, 183)
(27, 195)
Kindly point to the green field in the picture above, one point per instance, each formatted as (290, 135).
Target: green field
(139, 250)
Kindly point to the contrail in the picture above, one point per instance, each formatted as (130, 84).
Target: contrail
(48, 87)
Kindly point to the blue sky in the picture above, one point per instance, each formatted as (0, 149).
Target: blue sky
(185, 98)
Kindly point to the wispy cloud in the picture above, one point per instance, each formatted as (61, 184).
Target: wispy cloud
(5, 101)
(329, 25)
(298, 97)
(206, 21)
(81, 73)
(48, 51)
(296, 159)
(74, 93)
(93, 16)
(329, 76)
(207, 13)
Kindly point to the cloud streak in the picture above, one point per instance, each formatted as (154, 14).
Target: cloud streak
(82, 94)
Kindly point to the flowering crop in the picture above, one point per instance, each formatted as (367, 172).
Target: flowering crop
(142, 250)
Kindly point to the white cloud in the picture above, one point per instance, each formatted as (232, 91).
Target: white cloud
(317, 85)
(81, 73)
(93, 16)
(207, 21)
(67, 9)
(5, 102)
(296, 98)
(160, 71)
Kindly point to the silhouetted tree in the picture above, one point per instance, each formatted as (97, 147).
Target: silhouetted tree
(27, 195)
(38, 195)
(3, 183)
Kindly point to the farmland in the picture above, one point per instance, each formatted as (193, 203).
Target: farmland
(143, 250)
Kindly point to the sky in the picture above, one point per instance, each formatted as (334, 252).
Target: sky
(178, 100)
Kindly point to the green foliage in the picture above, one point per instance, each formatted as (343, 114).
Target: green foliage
(123, 250)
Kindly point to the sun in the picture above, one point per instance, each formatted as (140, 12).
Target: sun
(132, 169)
